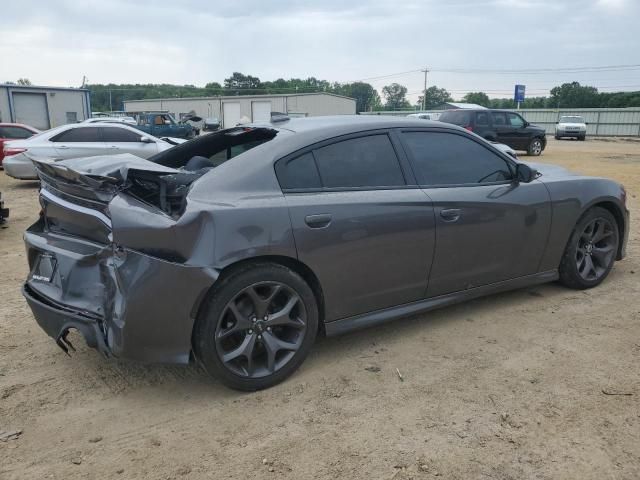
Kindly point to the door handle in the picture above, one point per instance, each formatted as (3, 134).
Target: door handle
(318, 221)
(63, 147)
(450, 214)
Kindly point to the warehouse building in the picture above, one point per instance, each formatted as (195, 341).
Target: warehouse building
(230, 110)
(43, 107)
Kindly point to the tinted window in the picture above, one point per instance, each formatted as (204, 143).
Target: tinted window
(482, 119)
(299, 173)
(115, 134)
(450, 159)
(87, 134)
(360, 162)
(515, 120)
(457, 117)
(14, 132)
(499, 118)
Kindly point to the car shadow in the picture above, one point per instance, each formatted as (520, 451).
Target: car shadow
(120, 376)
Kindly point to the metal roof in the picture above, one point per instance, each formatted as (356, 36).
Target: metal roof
(40, 87)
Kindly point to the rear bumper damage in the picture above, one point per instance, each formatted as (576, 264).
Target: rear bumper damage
(125, 303)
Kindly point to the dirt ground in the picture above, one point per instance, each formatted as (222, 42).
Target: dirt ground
(506, 387)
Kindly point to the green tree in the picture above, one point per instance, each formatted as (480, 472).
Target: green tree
(574, 95)
(395, 96)
(366, 96)
(479, 98)
(435, 97)
(238, 82)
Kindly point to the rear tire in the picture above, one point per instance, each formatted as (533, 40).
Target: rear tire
(258, 326)
(581, 138)
(535, 147)
(591, 250)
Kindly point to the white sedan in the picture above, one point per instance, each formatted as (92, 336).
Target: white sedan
(78, 140)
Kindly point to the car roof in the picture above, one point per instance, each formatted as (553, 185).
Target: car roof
(21, 125)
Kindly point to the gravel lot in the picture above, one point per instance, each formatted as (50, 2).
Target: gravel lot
(506, 387)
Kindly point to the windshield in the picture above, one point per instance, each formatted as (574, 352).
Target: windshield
(571, 119)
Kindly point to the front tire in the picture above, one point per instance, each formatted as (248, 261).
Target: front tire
(591, 251)
(258, 326)
(535, 147)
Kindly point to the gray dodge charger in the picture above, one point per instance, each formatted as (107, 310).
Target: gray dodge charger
(238, 248)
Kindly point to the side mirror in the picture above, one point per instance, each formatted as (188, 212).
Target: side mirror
(146, 140)
(526, 124)
(525, 173)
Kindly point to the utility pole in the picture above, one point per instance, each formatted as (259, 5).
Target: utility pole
(424, 95)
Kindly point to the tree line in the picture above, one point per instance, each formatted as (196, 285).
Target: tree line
(106, 97)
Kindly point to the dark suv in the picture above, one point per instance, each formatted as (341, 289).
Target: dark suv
(500, 126)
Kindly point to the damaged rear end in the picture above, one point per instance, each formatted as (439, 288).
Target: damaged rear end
(114, 255)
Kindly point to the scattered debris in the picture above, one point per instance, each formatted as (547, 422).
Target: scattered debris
(372, 368)
(400, 375)
(95, 439)
(76, 461)
(5, 436)
(265, 461)
(120, 471)
(611, 392)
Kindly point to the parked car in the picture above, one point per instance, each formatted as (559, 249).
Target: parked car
(127, 120)
(422, 116)
(78, 140)
(161, 124)
(4, 212)
(211, 124)
(571, 126)
(500, 126)
(239, 247)
(14, 131)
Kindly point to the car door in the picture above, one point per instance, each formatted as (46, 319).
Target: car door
(519, 133)
(359, 222)
(78, 141)
(489, 227)
(122, 140)
(502, 129)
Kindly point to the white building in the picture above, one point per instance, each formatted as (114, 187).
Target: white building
(43, 107)
(231, 109)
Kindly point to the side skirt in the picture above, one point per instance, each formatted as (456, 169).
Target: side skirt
(344, 325)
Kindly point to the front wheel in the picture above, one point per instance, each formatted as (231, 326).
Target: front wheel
(535, 147)
(259, 325)
(591, 251)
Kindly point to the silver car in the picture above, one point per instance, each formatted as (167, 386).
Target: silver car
(78, 140)
(571, 126)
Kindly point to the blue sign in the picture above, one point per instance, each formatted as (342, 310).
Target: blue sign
(519, 93)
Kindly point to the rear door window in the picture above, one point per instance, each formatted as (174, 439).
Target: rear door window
(15, 132)
(369, 161)
(499, 119)
(82, 134)
(482, 119)
(119, 135)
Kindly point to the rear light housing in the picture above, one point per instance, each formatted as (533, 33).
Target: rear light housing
(8, 151)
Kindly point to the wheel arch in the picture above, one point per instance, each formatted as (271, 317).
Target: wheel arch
(293, 263)
(615, 210)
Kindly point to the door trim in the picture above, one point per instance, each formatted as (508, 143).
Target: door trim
(344, 325)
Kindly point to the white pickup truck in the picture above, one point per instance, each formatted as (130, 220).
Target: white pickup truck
(571, 126)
